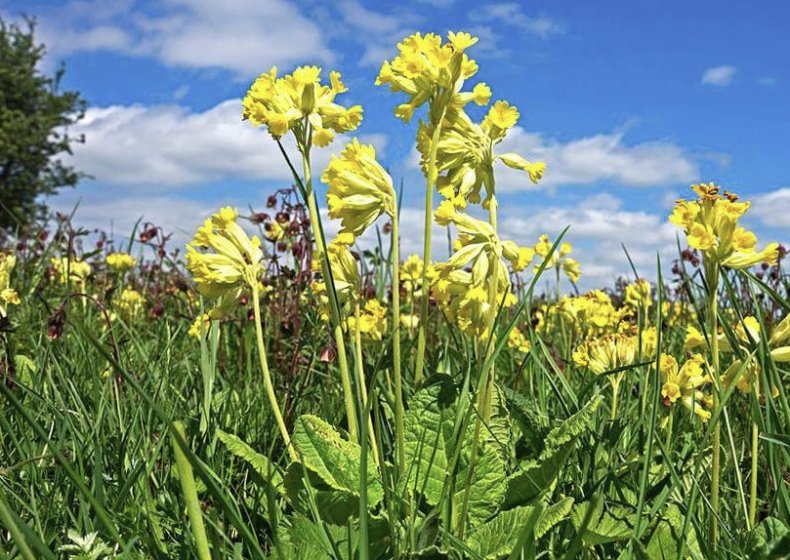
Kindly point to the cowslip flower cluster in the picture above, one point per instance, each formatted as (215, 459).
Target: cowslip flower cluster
(360, 190)
(711, 226)
(684, 383)
(130, 305)
(120, 261)
(299, 102)
(200, 326)
(518, 342)
(638, 294)
(607, 353)
(8, 296)
(345, 276)
(559, 260)
(372, 322)
(71, 270)
(223, 259)
(411, 276)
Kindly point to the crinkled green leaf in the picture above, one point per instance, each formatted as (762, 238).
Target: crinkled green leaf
(259, 463)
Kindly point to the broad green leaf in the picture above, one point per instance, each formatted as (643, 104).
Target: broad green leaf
(259, 463)
(668, 535)
(498, 537)
(572, 428)
(552, 516)
(769, 539)
(488, 484)
(602, 527)
(333, 459)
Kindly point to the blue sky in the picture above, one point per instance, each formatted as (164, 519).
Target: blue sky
(627, 101)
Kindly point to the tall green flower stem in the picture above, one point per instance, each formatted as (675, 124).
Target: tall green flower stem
(363, 387)
(396, 357)
(486, 384)
(267, 378)
(615, 380)
(334, 307)
(755, 447)
(712, 281)
(426, 248)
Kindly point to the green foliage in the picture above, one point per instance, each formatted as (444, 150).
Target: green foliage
(34, 116)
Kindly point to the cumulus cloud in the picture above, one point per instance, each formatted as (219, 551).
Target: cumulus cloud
(719, 75)
(601, 157)
(599, 226)
(170, 145)
(511, 13)
(772, 208)
(243, 36)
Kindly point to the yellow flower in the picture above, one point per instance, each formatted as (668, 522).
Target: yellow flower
(515, 161)
(8, 296)
(501, 117)
(130, 304)
(360, 190)
(559, 259)
(223, 259)
(120, 261)
(518, 341)
(605, 354)
(684, 384)
(411, 275)
(711, 226)
(71, 271)
(637, 294)
(372, 323)
(200, 326)
(481, 94)
(694, 338)
(301, 103)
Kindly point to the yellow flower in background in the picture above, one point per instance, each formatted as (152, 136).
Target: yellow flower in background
(559, 260)
(8, 296)
(372, 322)
(517, 341)
(694, 338)
(360, 190)
(200, 326)
(607, 353)
(299, 102)
(711, 226)
(684, 383)
(223, 259)
(638, 294)
(345, 271)
(411, 276)
(120, 261)
(72, 271)
(130, 305)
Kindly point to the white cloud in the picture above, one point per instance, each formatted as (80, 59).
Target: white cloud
(169, 145)
(599, 226)
(772, 208)
(511, 13)
(719, 75)
(243, 36)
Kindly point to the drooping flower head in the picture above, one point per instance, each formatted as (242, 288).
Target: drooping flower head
(684, 384)
(711, 226)
(559, 259)
(120, 261)
(8, 296)
(222, 258)
(607, 353)
(299, 102)
(130, 305)
(360, 190)
(71, 270)
(638, 294)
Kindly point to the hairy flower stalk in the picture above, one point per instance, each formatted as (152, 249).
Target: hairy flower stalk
(299, 103)
(711, 226)
(224, 262)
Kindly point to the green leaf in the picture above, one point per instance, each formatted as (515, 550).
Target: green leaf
(488, 483)
(501, 535)
(666, 540)
(427, 425)
(333, 459)
(602, 527)
(552, 516)
(259, 463)
(534, 425)
(573, 427)
(770, 539)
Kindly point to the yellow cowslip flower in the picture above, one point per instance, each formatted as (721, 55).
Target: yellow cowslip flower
(465, 156)
(120, 261)
(694, 338)
(372, 323)
(200, 326)
(518, 341)
(683, 384)
(299, 102)
(411, 276)
(711, 226)
(130, 305)
(273, 231)
(345, 272)
(427, 70)
(638, 294)
(747, 376)
(410, 321)
(223, 259)
(559, 259)
(607, 353)
(360, 190)
(8, 296)
(676, 314)
(72, 271)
